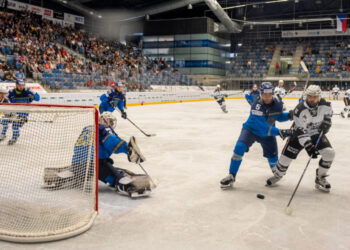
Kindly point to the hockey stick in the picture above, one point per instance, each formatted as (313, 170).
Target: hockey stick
(140, 128)
(143, 132)
(288, 210)
(154, 185)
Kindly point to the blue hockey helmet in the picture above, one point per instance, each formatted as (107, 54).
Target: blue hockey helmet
(266, 87)
(20, 82)
(255, 86)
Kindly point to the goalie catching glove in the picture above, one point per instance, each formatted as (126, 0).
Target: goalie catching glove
(134, 153)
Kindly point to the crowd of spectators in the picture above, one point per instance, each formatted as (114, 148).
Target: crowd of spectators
(31, 46)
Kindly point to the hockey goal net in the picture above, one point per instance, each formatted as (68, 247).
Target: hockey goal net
(48, 177)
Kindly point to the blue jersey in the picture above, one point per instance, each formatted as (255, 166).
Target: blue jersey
(84, 146)
(111, 100)
(108, 143)
(25, 96)
(261, 121)
(253, 96)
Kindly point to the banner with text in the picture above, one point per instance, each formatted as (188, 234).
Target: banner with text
(314, 33)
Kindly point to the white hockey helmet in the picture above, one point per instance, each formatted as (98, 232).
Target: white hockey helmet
(313, 90)
(3, 90)
(280, 81)
(218, 86)
(107, 119)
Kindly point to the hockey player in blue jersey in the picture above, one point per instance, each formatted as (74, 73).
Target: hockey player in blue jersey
(113, 99)
(260, 127)
(121, 180)
(18, 95)
(253, 96)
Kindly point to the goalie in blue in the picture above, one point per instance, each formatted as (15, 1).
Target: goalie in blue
(260, 127)
(20, 94)
(113, 99)
(120, 180)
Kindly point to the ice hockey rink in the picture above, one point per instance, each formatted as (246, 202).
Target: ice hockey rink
(188, 210)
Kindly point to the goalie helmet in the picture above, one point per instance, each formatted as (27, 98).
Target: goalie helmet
(313, 90)
(3, 90)
(107, 119)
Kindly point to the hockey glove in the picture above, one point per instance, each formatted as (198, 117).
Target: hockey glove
(325, 125)
(124, 114)
(284, 133)
(311, 149)
(31, 98)
(291, 114)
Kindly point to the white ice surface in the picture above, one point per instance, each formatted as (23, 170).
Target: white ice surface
(188, 210)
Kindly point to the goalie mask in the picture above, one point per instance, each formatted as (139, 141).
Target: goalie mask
(107, 119)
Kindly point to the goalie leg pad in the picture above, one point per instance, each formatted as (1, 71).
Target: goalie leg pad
(134, 186)
(58, 177)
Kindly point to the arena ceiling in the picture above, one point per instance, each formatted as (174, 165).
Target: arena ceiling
(250, 9)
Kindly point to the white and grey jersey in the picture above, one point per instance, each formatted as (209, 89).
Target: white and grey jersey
(280, 92)
(335, 90)
(218, 95)
(347, 93)
(308, 120)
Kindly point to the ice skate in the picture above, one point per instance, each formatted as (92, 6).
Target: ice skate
(272, 180)
(227, 182)
(321, 183)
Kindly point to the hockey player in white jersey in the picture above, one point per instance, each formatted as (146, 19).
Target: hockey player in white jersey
(335, 92)
(345, 113)
(220, 98)
(310, 118)
(280, 92)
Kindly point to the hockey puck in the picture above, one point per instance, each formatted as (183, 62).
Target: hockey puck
(260, 196)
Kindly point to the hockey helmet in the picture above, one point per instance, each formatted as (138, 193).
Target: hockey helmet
(20, 82)
(3, 90)
(266, 87)
(107, 119)
(313, 90)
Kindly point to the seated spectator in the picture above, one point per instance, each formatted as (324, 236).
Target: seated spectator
(263, 58)
(20, 75)
(10, 76)
(331, 62)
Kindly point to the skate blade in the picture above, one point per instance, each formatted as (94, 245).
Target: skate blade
(226, 187)
(145, 193)
(319, 187)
